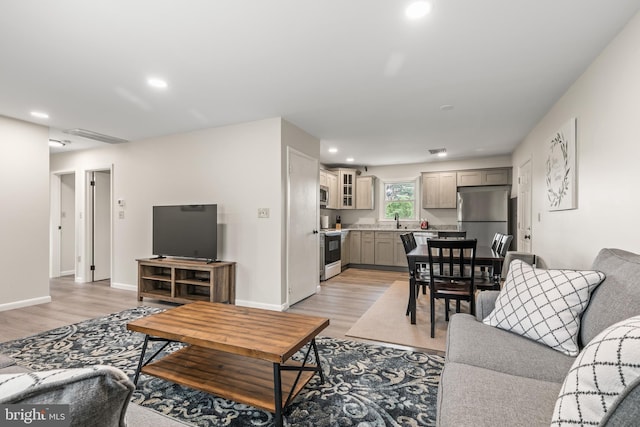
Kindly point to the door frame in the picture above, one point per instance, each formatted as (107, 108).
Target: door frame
(55, 191)
(520, 216)
(88, 208)
(291, 150)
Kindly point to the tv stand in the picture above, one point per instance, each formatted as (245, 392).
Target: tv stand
(184, 281)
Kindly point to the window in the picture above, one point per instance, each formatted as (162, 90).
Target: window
(400, 198)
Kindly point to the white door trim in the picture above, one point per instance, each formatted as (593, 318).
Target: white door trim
(86, 229)
(525, 243)
(55, 185)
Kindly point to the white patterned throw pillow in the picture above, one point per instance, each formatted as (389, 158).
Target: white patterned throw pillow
(606, 370)
(544, 305)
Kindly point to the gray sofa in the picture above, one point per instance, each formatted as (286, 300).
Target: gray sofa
(493, 377)
(97, 396)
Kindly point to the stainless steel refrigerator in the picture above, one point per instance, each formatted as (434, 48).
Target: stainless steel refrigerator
(483, 211)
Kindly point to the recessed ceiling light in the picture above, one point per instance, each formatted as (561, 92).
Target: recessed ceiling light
(446, 107)
(350, 159)
(40, 114)
(157, 83)
(418, 9)
(333, 150)
(443, 154)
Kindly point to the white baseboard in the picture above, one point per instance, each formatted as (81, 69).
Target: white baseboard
(253, 304)
(25, 303)
(67, 273)
(124, 286)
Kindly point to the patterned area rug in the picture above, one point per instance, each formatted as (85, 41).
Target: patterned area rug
(365, 385)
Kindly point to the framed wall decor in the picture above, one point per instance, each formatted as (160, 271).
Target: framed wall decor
(560, 169)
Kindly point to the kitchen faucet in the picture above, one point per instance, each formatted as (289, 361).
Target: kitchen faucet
(396, 216)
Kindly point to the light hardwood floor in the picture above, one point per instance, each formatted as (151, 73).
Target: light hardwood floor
(343, 299)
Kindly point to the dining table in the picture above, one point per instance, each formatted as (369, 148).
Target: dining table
(485, 257)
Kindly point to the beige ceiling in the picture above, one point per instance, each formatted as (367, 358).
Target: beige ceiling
(355, 73)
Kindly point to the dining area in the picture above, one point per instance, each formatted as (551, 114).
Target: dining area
(452, 268)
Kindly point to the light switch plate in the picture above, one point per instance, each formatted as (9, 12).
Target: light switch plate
(263, 212)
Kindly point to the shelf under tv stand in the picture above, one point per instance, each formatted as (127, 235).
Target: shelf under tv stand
(184, 281)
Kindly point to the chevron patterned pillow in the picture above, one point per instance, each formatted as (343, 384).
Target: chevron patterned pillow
(544, 305)
(606, 370)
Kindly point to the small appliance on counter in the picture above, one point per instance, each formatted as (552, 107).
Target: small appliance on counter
(324, 221)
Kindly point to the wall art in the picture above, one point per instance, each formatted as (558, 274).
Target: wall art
(560, 169)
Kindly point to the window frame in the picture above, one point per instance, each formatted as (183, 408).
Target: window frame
(383, 203)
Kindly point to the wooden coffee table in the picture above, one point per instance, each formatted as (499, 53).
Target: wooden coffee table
(238, 353)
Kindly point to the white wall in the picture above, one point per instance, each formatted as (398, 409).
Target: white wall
(24, 217)
(238, 167)
(412, 172)
(606, 102)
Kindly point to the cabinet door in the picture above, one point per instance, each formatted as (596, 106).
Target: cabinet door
(495, 177)
(323, 178)
(354, 247)
(345, 251)
(469, 178)
(367, 251)
(400, 257)
(334, 194)
(364, 192)
(448, 190)
(384, 248)
(430, 190)
(347, 184)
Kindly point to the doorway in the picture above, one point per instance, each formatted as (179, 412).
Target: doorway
(99, 224)
(524, 207)
(67, 227)
(302, 226)
(63, 224)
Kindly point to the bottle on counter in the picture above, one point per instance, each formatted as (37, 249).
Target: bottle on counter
(338, 223)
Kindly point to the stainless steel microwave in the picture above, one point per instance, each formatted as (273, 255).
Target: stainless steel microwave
(324, 195)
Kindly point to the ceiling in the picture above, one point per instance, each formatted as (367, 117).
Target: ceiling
(357, 74)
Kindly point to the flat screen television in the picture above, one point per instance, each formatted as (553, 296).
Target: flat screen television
(186, 231)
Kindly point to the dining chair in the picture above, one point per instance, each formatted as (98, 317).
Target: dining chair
(451, 274)
(504, 244)
(409, 243)
(497, 238)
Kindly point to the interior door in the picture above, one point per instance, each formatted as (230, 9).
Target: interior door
(101, 226)
(302, 227)
(524, 207)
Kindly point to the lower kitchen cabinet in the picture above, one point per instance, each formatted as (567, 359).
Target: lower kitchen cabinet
(384, 247)
(355, 244)
(399, 255)
(367, 247)
(345, 249)
(380, 248)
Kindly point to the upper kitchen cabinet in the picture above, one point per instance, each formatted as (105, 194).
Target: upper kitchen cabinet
(329, 180)
(497, 176)
(439, 190)
(347, 188)
(323, 177)
(364, 192)
(334, 195)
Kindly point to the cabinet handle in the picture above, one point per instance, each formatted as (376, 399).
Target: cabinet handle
(527, 236)
(315, 231)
